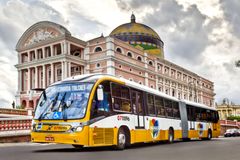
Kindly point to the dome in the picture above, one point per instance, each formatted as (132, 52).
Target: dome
(139, 35)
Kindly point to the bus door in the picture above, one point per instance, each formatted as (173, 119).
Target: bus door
(137, 103)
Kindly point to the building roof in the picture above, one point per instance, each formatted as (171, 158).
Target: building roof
(134, 27)
(140, 36)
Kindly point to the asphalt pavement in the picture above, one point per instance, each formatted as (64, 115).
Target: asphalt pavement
(216, 149)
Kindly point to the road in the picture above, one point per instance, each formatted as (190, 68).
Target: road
(216, 149)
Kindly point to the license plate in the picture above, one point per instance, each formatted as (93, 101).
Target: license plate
(48, 138)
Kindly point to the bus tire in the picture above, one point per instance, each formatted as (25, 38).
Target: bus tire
(209, 135)
(77, 146)
(170, 135)
(186, 139)
(121, 139)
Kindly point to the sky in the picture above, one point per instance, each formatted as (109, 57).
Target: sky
(201, 36)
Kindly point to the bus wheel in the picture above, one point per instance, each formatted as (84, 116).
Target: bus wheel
(121, 139)
(77, 146)
(209, 136)
(170, 135)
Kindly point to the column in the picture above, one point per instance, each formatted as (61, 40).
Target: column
(66, 70)
(163, 86)
(44, 52)
(36, 55)
(156, 82)
(29, 56)
(36, 77)
(44, 76)
(156, 66)
(110, 67)
(29, 80)
(62, 48)
(176, 90)
(63, 64)
(82, 69)
(65, 47)
(145, 60)
(52, 73)
(19, 81)
(69, 48)
(51, 50)
(69, 69)
(146, 79)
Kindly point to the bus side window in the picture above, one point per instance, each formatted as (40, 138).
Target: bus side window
(168, 108)
(150, 104)
(101, 107)
(159, 106)
(120, 98)
(176, 112)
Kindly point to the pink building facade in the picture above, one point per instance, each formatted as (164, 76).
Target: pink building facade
(48, 53)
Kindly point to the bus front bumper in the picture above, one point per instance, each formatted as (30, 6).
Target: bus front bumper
(77, 138)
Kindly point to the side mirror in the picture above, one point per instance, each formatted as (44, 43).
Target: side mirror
(100, 93)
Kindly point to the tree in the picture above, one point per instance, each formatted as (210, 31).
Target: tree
(237, 63)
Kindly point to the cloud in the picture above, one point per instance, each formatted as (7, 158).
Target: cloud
(183, 30)
(231, 13)
(82, 26)
(15, 17)
(205, 44)
(200, 43)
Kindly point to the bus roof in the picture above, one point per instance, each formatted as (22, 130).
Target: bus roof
(197, 104)
(97, 76)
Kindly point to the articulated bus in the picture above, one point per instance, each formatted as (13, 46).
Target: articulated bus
(102, 110)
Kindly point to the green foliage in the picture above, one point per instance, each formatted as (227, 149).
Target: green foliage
(20, 107)
(145, 46)
(234, 118)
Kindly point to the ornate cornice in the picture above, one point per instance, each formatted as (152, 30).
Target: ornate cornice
(41, 32)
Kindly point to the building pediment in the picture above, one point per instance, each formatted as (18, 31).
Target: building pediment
(41, 32)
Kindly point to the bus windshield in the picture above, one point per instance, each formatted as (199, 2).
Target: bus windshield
(64, 101)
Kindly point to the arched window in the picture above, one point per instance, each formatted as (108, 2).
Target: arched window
(139, 58)
(119, 50)
(150, 63)
(129, 54)
(98, 49)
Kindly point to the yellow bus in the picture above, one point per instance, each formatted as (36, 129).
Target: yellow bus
(102, 110)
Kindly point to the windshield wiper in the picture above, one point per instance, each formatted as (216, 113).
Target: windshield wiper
(54, 101)
(63, 105)
(41, 103)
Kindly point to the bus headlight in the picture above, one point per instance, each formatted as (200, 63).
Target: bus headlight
(76, 129)
(79, 129)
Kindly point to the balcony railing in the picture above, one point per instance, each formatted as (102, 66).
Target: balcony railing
(13, 111)
(8, 124)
